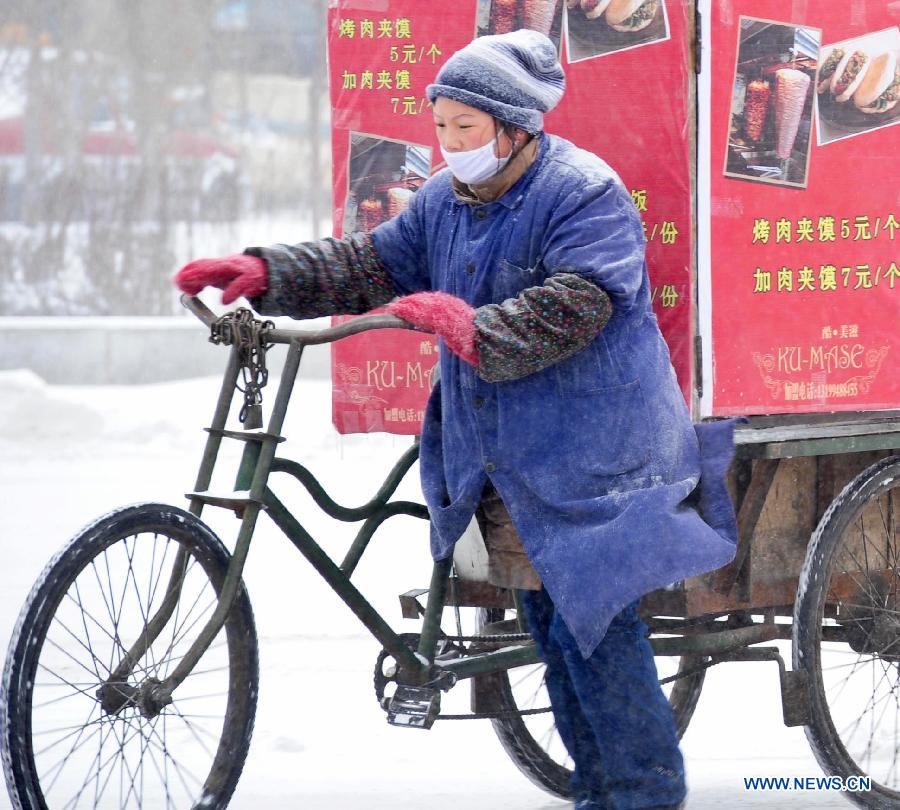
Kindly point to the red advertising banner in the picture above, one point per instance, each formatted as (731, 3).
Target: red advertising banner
(805, 206)
(628, 99)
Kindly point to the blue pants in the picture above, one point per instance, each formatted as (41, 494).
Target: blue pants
(610, 710)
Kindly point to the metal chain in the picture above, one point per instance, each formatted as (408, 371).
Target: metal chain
(492, 715)
(688, 672)
(499, 638)
(504, 638)
(240, 328)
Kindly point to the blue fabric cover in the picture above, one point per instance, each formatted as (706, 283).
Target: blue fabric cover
(596, 457)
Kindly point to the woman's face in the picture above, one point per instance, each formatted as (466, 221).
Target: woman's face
(461, 128)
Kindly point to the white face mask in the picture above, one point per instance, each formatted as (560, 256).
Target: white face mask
(475, 165)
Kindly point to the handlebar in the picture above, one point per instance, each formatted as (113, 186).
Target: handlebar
(306, 337)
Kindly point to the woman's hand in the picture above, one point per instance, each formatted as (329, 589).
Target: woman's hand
(237, 275)
(445, 315)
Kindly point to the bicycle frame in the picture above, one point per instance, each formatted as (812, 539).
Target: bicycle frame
(252, 495)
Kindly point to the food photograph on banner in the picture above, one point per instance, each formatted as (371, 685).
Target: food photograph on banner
(858, 85)
(383, 177)
(770, 121)
(809, 266)
(599, 27)
(503, 16)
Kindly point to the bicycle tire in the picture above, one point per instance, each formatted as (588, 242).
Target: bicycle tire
(83, 612)
(830, 554)
(541, 759)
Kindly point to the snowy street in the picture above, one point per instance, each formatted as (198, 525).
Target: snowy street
(321, 741)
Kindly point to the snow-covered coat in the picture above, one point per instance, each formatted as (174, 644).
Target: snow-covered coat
(595, 457)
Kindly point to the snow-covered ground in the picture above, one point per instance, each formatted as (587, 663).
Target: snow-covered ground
(70, 454)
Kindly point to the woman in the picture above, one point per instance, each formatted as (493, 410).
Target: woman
(557, 393)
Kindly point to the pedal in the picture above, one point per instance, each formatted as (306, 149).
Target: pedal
(414, 707)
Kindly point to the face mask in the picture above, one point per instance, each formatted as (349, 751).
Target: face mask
(475, 165)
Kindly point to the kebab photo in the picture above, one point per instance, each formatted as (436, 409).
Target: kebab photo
(770, 121)
(383, 176)
(510, 15)
(756, 107)
(790, 97)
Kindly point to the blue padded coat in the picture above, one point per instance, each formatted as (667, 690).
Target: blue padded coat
(595, 457)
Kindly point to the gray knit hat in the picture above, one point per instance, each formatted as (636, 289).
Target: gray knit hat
(515, 77)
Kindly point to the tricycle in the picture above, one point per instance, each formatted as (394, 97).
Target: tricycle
(132, 673)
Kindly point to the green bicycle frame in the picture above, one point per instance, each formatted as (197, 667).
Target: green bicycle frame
(252, 495)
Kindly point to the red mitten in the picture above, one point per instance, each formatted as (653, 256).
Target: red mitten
(237, 275)
(445, 315)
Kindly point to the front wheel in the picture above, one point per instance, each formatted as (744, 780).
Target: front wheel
(72, 735)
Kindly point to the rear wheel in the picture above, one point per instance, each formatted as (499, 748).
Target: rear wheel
(74, 737)
(532, 740)
(847, 635)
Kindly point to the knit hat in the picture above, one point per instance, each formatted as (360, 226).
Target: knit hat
(515, 77)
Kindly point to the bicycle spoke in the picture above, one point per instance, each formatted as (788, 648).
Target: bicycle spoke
(201, 615)
(871, 701)
(145, 671)
(140, 767)
(123, 760)
(60, 764)
(100, 766)
(179, 770)
(159, 772)
(203, 697)
(870, 593)
(66, 682)
(74, 731)
(178, 630)
(856, 663)
(73, 802)
(529, 673)
(90, 652)
(193, 729)
(117, 642)
(178, 603)
(862, 529)
(88, 615)
(144, 613)
(69, 655)
(87, 634)
(892, 693)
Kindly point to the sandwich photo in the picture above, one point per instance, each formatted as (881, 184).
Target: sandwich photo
(631, 15)
(879, 91)
(592, 8)
(828, 67)
(858, 85)
(598, 27)
(848, 74)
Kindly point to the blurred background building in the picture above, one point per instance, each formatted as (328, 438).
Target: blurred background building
(135, 136)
